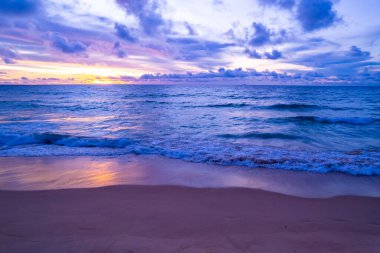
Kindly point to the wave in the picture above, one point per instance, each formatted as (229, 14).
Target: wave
(260, 136)
(227, 105)
(156, 102)
(356, 163)
(353, 120)
(332, 120)
(293, 106)
(62, 140)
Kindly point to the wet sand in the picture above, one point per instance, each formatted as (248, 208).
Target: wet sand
(65, 172)
(124, 204)
(182, 219)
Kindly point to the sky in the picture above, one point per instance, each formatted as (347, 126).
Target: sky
(197, 41)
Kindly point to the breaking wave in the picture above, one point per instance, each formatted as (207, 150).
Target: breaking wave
(331, 120)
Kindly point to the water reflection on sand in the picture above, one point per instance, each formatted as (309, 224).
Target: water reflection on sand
(39, 173)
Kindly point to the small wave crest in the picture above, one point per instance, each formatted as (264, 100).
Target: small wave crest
(260, 136)
(332, 120)
(227, 105)
(294, 106)
(62, 140)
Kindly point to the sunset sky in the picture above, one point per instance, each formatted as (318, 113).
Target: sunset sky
(176, 41)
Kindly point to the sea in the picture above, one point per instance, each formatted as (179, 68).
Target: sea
(324, 129)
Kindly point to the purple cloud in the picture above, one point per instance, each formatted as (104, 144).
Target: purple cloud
(19, 7)
(147, 12)
(190, 49)
(357, 52)
(66, 46)
(252, 54)
(261, 35)
(316, 14)
(120, 53)
(124, 33)
(324, 60)
(285, 4)
(8, 55)
(190, 29)
(274, 55)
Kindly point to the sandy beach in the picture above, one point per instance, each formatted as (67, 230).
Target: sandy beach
(180, 219)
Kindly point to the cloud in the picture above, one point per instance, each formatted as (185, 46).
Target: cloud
(324, 60)
(9, 61)
(221, 73)
(124, 33)
(190, 29)
(357, 52)
(147, 12)
(253, 54)
(251, 76)
(217, 2)
(8, 55)
(120, 53)
(48, 79)
(274, 55)
(284, 4)
(190, 49)
(66, 46)
(345, 65)
(19, 7)
(316, 14)
(239, 76)
(261, 35)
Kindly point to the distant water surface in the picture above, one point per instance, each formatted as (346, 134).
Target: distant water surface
(320, 129)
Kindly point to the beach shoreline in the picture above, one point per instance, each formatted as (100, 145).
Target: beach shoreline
(156, 204)
(67, 172)
(183, 219)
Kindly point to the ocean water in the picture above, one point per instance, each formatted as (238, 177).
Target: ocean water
(318, 129)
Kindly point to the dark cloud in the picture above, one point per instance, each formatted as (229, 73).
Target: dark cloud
(344, 65)
(221, 73)
(120, 53)
(70, 47)
(9, 61)
(19, 7)
(252, 54)
(312, 14)
(261, 35)
(357, 52)
(316, 14)
(274, 55)
(237, 76)
(48, 79)
(190, 29)
(190, 49)
(311, 44)
(124, 33)
(147, 12)
(285, 4)
(324, 60)
(8, 55)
